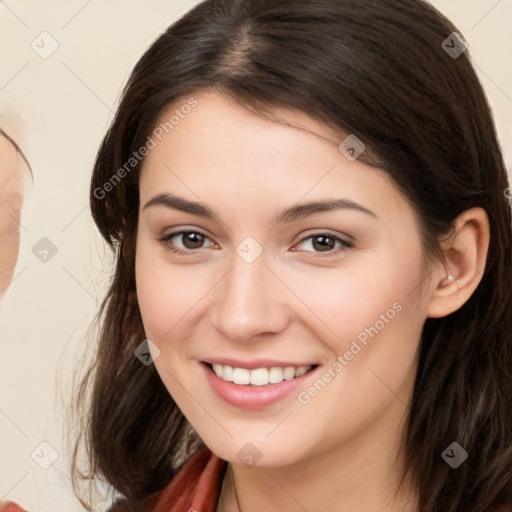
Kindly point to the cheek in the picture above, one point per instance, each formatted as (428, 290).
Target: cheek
(158, 301)
(374, 352)
(363, 300)
(377, 317)
(168, 295)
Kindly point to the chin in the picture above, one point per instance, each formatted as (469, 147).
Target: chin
(258, 452)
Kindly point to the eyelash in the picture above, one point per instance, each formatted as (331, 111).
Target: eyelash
(345, 244)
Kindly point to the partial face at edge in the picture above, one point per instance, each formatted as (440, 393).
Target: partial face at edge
(11, 184)
(340, 286)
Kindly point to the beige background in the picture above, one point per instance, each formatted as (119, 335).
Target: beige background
(59, 108)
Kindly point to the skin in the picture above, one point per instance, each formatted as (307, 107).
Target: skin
(297, 301)
(11, 164)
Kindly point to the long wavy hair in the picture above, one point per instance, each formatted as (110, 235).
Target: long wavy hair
(382, 70)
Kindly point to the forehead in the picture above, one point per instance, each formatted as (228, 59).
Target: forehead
(219, 149)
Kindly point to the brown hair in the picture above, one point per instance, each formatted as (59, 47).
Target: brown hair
(375, 69)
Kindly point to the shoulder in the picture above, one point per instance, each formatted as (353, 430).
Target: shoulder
(195, 486)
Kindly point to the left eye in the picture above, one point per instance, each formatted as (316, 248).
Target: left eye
(326, 242)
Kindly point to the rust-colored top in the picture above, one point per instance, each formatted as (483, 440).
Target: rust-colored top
(195, 488)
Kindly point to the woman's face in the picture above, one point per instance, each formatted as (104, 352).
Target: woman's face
(10, 210)
(339, 290)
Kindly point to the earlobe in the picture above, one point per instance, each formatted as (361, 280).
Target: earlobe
(465, 256)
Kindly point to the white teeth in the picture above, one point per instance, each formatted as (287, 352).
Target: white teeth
(289, 373)
(241, 376)
(301, 370)
(275, 375)
(227, 373)
(258, 376)
(217, 368)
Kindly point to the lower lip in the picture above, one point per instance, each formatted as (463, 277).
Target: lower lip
(254, 397)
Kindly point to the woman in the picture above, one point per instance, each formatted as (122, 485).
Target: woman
(390, 307)
(311, 302)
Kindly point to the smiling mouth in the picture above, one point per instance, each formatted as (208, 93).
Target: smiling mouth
(258, 376)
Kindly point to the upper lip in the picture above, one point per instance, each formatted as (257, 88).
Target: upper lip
(255, 363)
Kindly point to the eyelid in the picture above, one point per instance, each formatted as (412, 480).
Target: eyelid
(343, 237)
(344, 244)
(165, 238)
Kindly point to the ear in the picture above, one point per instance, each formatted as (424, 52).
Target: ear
(465, 252)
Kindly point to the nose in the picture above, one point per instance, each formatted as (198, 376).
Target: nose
(249, 302)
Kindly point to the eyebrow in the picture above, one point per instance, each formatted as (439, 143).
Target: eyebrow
(298, 211)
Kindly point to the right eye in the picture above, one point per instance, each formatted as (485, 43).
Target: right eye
(189, 241)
